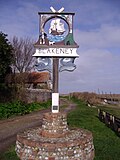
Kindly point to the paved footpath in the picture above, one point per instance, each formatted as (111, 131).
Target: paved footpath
(11, 127)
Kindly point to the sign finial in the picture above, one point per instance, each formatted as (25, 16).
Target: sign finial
(59, 11)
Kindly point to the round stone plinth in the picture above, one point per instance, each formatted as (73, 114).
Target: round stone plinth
(54, 125)
(77, 144)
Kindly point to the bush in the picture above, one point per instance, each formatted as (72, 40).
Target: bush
(7, 93)
(19, 108)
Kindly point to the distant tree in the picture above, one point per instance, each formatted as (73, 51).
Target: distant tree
(6, 56)
(23, 50)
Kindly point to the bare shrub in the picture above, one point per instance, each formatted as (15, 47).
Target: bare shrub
(91, 98)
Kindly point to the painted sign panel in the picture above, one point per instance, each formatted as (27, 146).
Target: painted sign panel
(56, 52)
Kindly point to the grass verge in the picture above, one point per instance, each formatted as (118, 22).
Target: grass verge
(106, 143)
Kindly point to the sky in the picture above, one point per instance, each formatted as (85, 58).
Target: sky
(96, 31)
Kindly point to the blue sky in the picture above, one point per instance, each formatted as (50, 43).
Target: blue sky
(96, 30)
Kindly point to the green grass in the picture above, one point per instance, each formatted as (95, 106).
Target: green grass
(106, 143)
(9, 155)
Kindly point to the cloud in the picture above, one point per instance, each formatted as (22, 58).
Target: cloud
(96, 68)
(98, 64)
(105, 36)
(20, 20)
(94, 13)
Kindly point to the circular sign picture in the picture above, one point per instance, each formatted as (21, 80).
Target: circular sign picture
(56, 29)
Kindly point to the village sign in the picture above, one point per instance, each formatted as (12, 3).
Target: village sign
(56, 49)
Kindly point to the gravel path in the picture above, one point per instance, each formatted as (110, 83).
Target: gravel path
(11, 127)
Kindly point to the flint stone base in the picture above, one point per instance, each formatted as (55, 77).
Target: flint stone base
(54, 141)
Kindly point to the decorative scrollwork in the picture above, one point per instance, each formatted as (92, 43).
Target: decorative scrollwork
(43, 64)
(67, 64)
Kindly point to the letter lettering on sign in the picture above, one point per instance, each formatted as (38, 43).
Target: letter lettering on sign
(71, 50)
(53, 50)
(66, 51)
(61, 50)
(57, 50)
(48, 51)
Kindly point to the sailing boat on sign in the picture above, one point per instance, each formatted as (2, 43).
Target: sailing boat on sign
(56, 27)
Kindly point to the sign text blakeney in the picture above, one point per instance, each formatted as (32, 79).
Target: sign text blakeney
(56, 52)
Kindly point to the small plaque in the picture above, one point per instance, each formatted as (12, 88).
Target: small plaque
(55, 107)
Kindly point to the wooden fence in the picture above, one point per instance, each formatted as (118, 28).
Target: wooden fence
(110, 120)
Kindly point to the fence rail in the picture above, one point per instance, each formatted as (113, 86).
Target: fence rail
(110, 120)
